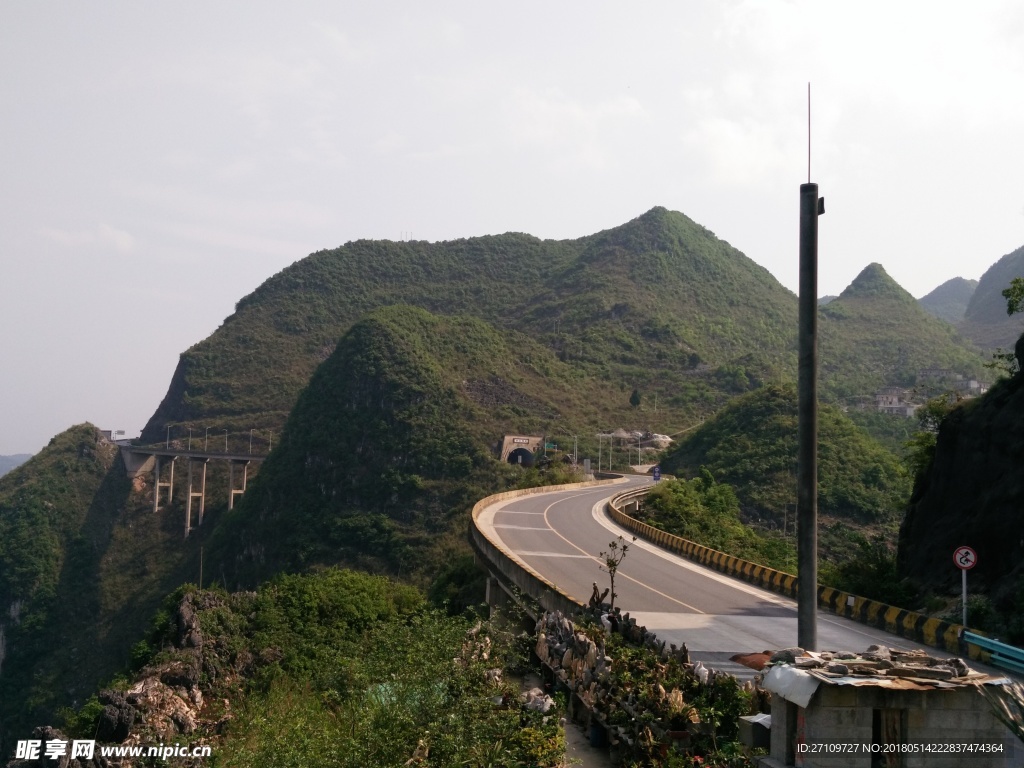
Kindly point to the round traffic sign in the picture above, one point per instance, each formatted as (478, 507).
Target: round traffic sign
(965, 558)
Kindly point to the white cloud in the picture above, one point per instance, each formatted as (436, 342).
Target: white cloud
(575, 131)
(740, 152)
(103, 235)
(390, 143)
(342, 43)
(229, 209)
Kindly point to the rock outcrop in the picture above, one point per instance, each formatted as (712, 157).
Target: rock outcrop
(972, 495)
(164, 705)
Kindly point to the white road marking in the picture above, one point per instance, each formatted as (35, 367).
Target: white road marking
(872, 634)
(552, 554)
(598, 514)
(598, 560)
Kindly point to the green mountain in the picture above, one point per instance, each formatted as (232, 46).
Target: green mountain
(388, 447)
(985, 321)
(876, 334)
(567, 329)
(659, 302)
(751, 444)
(949, 301)
(50, 533)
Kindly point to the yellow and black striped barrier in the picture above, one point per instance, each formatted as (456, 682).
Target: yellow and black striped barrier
(899, 621)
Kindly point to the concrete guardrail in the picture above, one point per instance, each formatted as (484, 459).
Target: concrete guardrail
(514, 572)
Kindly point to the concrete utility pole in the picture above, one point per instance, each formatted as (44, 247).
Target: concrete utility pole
(811, 206)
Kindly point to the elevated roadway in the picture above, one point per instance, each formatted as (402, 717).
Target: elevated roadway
(559, 536)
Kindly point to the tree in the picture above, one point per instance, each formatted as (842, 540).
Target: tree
(1014, 296)
(615, 555)
(634, 399)
(921, 446)
(1002, 360)
(1007, 703)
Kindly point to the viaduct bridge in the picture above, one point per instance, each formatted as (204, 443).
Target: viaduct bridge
(542, 542)
(140, 460)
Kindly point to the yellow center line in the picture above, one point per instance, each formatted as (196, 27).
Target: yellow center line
(601, 563)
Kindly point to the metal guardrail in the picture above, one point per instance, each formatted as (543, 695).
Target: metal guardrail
(1002, 655)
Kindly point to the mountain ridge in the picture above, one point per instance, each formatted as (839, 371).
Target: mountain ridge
(589, 299)
(949, 301)
(567, 329)
(985, 319)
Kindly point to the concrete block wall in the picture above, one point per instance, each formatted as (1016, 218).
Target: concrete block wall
(844, 715)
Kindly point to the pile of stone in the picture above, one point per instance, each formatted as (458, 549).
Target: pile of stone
(877, 661)
(629, 708)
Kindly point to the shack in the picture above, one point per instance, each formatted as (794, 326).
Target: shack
(883, 708)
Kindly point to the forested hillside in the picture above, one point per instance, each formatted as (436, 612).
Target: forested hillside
(986, 321)
(949, 301)
(84, 563)
(659, 303)
(752, 445)
(389, 446)
(876, 334)
(971, 493)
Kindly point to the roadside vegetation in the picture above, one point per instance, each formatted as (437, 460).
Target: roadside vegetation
(340, 668)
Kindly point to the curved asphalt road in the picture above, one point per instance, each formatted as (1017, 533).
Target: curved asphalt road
(559, 535)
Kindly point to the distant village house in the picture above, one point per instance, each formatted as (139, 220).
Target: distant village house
(893, 400)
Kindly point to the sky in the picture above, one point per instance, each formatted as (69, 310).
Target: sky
(159, 161)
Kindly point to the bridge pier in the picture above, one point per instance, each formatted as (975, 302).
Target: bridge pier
(158, 484)
(193, 494)
(495, 595)
(232, 491)
(139, 460)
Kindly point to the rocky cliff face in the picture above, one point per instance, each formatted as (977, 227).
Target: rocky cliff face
(165, 703)
(973, 495)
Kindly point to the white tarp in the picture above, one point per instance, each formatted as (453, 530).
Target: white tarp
(792, 684)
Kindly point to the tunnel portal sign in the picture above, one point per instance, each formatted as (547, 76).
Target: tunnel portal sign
(965, 558)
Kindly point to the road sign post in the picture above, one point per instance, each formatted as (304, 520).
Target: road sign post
(965, 559)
